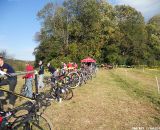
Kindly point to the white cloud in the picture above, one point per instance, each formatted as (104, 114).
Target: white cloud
(148, 8)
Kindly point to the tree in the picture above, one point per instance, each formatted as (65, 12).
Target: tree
(82, 28)
(153, 30)
(133, 44)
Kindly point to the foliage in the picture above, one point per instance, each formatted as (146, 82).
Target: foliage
(153, 29)
(82, 28)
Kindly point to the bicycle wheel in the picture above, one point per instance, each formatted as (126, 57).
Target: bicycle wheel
(69, 93)
(41, 122)
(38, 122)
(74, 79)
(66, 93)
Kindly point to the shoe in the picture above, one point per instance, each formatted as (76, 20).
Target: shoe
(59, 100)
(49, 99)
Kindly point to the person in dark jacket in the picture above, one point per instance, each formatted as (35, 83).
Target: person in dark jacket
(51, 69)
(6, 69)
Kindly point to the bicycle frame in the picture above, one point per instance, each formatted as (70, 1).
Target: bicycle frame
(16, 94)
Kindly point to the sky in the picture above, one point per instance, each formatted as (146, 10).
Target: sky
(148, 8)
(18, 22)
(18, 25)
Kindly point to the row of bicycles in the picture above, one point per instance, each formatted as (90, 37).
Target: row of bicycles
(61, 87)
(30, 114)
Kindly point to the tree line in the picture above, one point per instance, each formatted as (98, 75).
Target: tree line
(18, 65)
(109, 34)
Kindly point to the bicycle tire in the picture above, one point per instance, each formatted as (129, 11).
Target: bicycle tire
(69, 94)
(41, 122)
(74, 79)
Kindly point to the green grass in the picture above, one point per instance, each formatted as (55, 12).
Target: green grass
(111, 101)
(137, 88)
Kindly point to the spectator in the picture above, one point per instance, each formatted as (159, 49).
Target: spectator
(41, 75)
(10, 80)
(70, 67)
(63, 68)
(52, 70)
(75, 66)
(28, 80)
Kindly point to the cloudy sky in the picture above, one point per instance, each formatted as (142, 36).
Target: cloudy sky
(18, 22)
(148, 8)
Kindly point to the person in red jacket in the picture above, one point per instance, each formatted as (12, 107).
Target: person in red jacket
(70, 66)
(28, 80)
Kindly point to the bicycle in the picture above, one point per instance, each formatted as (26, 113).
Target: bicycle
(32, 120)
(59, 87)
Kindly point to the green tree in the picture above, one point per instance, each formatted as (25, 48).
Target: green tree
(153, 30)
(133, 44)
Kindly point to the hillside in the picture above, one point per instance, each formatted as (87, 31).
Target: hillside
(18, 65)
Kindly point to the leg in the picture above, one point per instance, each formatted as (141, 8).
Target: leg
(12, 86)
(57, 94)
(2, 83)
(29, 87)
(40, 81)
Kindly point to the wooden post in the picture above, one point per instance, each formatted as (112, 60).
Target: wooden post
(158, 85)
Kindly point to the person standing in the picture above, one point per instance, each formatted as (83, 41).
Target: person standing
(63, 68)
(6, 69)
(75, 66)
(70, 67)
(41, 75)
(51, 69)
(28, 80)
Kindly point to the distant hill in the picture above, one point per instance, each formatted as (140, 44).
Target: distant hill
(18, 65)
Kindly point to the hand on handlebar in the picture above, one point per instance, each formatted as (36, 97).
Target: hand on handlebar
(2, 72)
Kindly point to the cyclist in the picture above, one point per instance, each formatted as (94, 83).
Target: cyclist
(53, 72)
(7, 69)
(28, 80)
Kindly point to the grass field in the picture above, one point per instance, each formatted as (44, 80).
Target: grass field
(118, 99)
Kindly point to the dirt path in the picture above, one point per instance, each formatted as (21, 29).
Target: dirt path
(101, 105)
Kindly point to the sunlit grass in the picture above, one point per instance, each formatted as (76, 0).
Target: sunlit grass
(115, 99)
